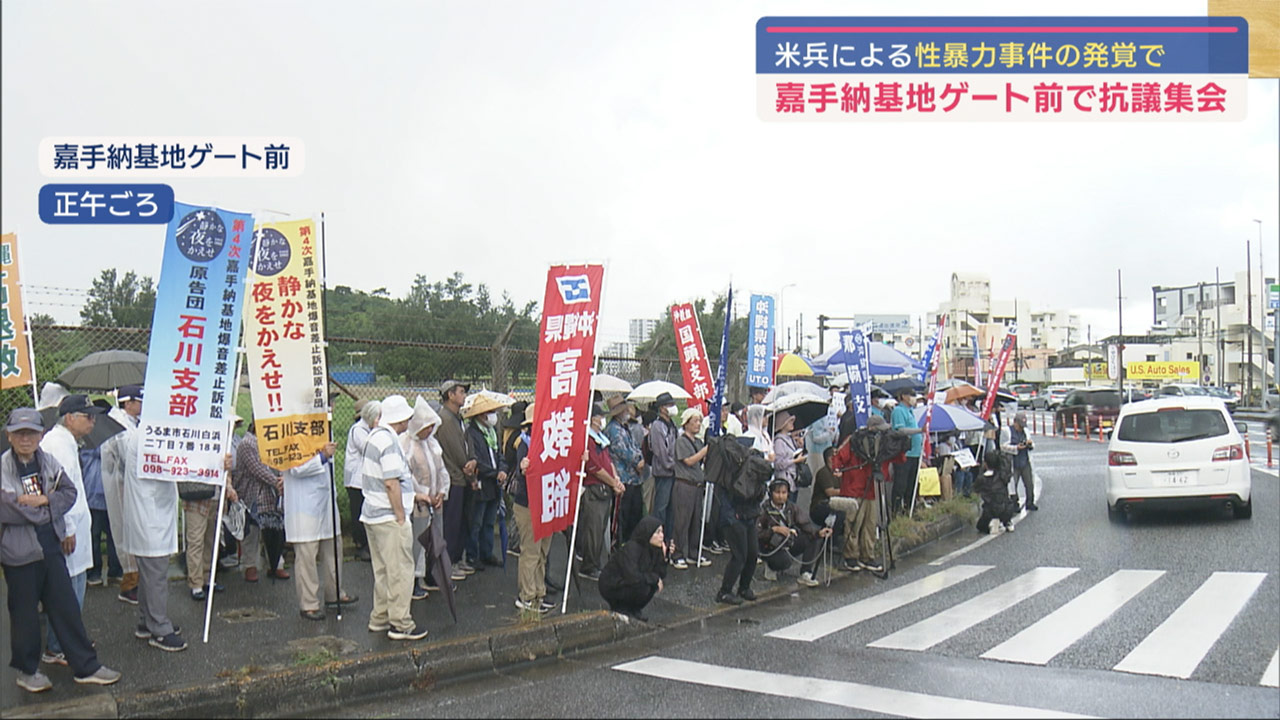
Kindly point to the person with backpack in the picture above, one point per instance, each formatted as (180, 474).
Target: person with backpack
(855, 462)
(745, 474)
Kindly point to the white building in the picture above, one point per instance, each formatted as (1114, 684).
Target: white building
(640, 329)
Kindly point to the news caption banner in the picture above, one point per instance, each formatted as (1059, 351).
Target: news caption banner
(832, 69)
(191, 367)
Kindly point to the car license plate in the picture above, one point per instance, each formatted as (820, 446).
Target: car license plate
(1174, 479)
(1106, 423)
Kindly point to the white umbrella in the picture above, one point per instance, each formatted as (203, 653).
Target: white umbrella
(648, 392)
(609, 383)
(797, 387)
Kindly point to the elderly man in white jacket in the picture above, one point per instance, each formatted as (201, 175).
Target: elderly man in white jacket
(309, 511)
(76, 418)
(430, 484)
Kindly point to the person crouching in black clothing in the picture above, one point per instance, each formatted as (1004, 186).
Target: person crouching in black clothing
(634, 575)
(992, 485)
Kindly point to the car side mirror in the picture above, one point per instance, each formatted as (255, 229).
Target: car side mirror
(1242, 427)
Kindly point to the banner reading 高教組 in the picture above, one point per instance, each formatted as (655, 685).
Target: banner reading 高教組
(760, 361)
(858, 370)
(284, 341)
(832, 69)
(191, 361)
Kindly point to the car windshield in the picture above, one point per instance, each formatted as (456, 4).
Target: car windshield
(1172, 426)
(1103, 398)
(1219, 392)
(1194, 390)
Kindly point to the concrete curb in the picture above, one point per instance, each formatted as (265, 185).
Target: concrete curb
(284, 689)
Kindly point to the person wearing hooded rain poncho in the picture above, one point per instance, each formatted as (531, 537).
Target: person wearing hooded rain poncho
(430, 485)
(634, 574)
(308, 524)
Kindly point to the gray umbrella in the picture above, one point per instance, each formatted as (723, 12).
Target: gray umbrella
(106, 370)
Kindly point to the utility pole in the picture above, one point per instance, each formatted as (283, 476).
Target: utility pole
(1199, 338)
(1275, 317)
(1017, 344)
(1262, 323)
(1217, 302)
(1088, 375)
(1248, 285)
(1120, 346)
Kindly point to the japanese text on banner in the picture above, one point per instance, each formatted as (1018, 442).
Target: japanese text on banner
(693, 355)
(15, 362)
(997, 371)
(191, 368)
(760, 327)
(562, 399)
(858, 372)
(284, 341)
(933, 388)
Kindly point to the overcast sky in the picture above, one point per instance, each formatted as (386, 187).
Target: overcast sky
(496, 138)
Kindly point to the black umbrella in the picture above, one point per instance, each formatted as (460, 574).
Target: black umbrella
(105, 427)
(432, 540)
(807, 409)
(893, 386)
(106, 370)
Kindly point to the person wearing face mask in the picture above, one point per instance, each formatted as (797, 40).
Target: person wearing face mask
(904, 473)
(662, 443)
(491, 473)
(627, 460)
(600, 488)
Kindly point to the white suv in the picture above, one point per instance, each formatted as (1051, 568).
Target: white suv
(1174, 452)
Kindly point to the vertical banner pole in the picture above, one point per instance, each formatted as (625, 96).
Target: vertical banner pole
(222, 497)
(333, 483)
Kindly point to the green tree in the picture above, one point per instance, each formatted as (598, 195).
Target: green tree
(43, 319)
(662, 343)
(119, 301)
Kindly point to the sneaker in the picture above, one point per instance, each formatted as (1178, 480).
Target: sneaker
(458, 575)
(806, 579)
(102, 676)
(172, 642)
(419, 592)
(513, 552)
(1008, 527)
(680, 564)
(142, 633)
(851, 566)
(770, 575)
(229, 561)
(52, 658)
(114, 579)
(35, 682)
(546, 606)
(873, 566)
(95, 581)
(413, 633)
(715, 548)
(130, 596)
(430, 584)
(703, 562)
(198, 594)
(380, 628)
(747, 594)
(530, 607)
(464, 567)
(589, 574)
(344, 600)
(728, 599)
(1032, 506)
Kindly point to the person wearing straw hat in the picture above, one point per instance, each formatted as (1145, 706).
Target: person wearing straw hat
(388, 497)
(481, 412)
(533, 556)
(36, 495)
(688, 492)
(629, 462)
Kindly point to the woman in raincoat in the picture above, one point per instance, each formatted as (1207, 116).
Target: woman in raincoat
(430, 485)
(309, 509)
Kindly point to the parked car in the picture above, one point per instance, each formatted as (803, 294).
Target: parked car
(1177, 452)
(1183, 390)
(1087, 409)
(1228, 398)
(1050, 397)
(1025, 392)
(1136, 394)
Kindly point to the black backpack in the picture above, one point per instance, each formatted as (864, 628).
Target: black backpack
(733, 466)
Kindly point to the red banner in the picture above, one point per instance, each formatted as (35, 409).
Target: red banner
(693, 356)
(933, 389)
(997, 372)
(562, 400)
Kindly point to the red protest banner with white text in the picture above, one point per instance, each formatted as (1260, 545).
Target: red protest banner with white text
(997, 372)
(693, 356)
(562, 399)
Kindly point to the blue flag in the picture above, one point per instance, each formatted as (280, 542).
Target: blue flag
(718, 401)
(858, 368)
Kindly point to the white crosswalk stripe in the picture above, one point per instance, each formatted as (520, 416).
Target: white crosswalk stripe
(887, 701)
(1176, 647)
(949, 623)
(822, 625)
(1065, 626)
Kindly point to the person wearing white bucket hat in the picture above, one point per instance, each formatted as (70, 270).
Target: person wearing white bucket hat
(389, 491)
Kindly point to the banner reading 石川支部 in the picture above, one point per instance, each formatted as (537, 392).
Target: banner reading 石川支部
(191, 361)
(15, 357)
(562, 401)
(284, 341)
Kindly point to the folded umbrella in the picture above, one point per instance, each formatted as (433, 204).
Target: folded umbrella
(432, 540)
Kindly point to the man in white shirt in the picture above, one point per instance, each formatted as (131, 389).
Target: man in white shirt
(352, 462)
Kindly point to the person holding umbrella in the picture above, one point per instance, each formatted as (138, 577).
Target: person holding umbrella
(533, 554)
(430, 484)
(308, 524)
(786, 455)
